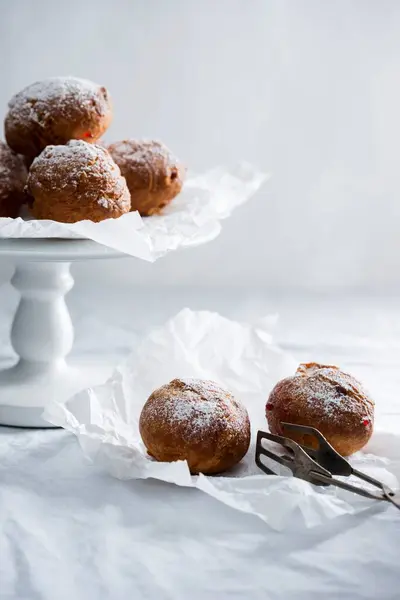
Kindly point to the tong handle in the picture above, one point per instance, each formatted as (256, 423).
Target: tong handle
(387, 493)
(368, 479)
(391, 496)
(353, 488)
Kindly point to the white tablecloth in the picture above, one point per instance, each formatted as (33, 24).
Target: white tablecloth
(68, 531)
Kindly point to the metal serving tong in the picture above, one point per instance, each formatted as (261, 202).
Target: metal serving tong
(318, 464)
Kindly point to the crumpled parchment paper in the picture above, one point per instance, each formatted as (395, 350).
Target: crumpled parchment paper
(191, 219)
(245, 360)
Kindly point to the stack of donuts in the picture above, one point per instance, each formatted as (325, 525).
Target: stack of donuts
(54, 160)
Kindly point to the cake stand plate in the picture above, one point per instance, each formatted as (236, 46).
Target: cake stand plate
(42, 332)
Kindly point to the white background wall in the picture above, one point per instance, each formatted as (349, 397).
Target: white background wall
(306, 89)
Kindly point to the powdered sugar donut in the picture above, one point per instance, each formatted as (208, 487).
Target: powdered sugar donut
(326, 398)
(54, 111)
(13, 174)
(197, 421)
(154, 176)
(75, 182)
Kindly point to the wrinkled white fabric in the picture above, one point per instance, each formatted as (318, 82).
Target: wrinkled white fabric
(70, 530)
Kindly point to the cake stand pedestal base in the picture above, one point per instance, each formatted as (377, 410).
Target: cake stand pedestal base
(42, 332)
(25, 388)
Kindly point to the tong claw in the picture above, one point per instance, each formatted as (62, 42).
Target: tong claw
(318, 463)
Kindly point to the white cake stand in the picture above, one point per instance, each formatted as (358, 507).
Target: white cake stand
(42, 332)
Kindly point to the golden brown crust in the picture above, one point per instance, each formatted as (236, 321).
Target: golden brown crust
(326, 398)
(197, 421)
(13, 175)
(154, 176)
(75, 182)
(55, 111)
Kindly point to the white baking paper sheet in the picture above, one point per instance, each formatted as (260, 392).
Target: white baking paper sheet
(192, 218)
(245, 360)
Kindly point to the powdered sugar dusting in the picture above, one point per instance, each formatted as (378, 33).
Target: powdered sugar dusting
(206, 389)
(54, 89)
(104, 202)
(201, 404)
(79, 156)
(144, 151)
(334, 392)
(77, 148)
